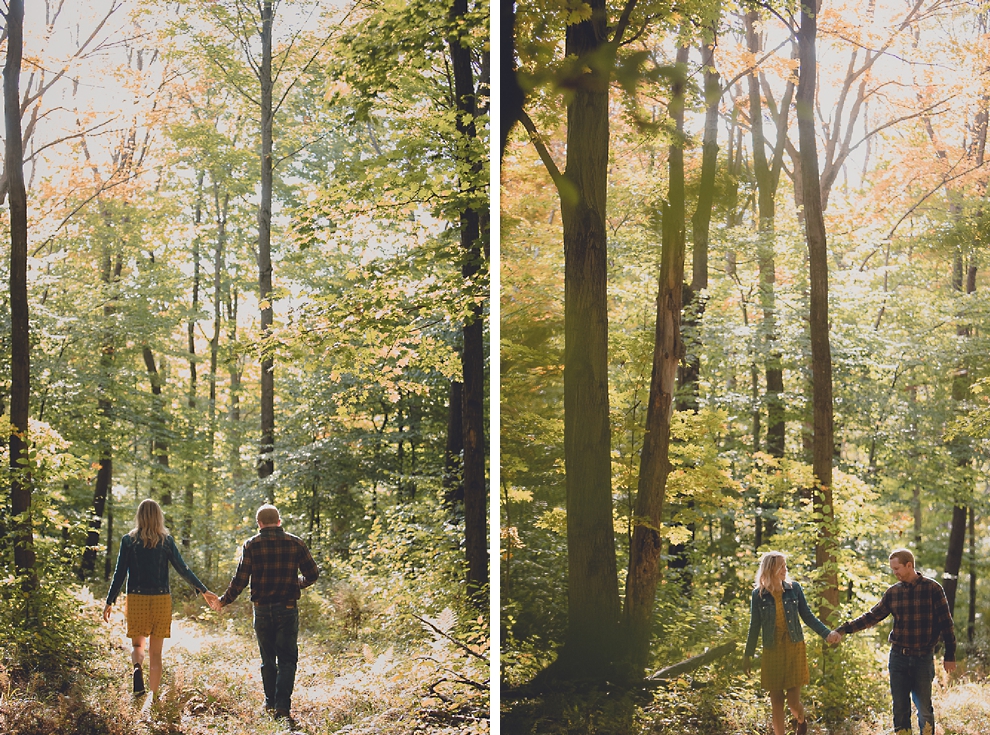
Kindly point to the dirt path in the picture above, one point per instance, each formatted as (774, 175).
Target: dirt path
(212, 684)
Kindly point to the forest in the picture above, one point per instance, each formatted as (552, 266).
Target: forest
(742, 309)
(247, 250)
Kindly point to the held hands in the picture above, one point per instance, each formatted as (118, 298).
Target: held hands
(213, 601)
(833, 637)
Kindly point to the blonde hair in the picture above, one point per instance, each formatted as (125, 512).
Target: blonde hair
(766, 575)
(267, 515)
(149, 524)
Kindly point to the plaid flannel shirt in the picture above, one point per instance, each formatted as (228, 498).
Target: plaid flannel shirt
(270, 560)
(921, 617)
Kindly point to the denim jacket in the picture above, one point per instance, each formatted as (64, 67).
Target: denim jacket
(763, 616)
(147, 569)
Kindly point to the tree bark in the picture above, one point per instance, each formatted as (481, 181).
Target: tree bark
(960, 449)
(452, 476)
(104, 477)
(593, 595)
(266, 459)
(191, 326)
(473, 225)
(108, 557)
(221, 205)
(189, 494)
(644, 554)
(694, 305)
(814, 222)
(20, 348)
(160, 479)
(234, 429)
(971, 617)
(954, 554)
(702, 218)
(513, 98)
(767, 177)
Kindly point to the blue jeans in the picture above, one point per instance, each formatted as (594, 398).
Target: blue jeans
(277, 628)
(911, 679)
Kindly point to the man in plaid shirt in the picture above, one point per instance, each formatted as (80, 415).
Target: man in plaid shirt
(278, 565)
(921, 617)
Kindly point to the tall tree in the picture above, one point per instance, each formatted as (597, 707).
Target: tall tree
(767, 179)
(251, 28)
(20, 348)
(592, 593)
(767, 174)
(110, 269)
(472, 224)
(266, 450)
(668, 349)
(593, 606)
(960, 448)
(161, 481)
(694, 306)
(821, 355)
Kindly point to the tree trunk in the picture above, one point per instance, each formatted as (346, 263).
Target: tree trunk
(452, 475)
(644, 555)
(108, 557)
(160, 479)
(219, 268)
(694, 305)
(20, 348)
(814, 222)
(191, 326)
(104, 476)
(702, 218)
(473, 356)
(234, 431)
(513, 98)
(266, 459)
(189, 494)
(954, 554)
(971, 618)
(961, 450)
(593, 595)
(767, 177)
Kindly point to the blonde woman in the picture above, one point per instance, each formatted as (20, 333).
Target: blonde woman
(145, 554)
(778, 607)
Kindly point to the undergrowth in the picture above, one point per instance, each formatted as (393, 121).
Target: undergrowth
(719, 700)
(355, 675)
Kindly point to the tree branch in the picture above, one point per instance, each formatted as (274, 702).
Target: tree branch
(541, 148)
(456, 642)
(623, 23)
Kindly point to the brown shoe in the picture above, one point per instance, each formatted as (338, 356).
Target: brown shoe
(802, 728)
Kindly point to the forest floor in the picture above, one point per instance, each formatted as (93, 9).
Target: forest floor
(212, 684)
(962, 707)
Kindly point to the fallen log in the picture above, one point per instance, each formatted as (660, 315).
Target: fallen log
(695, 662)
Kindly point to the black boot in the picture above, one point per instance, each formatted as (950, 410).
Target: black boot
(138, 680)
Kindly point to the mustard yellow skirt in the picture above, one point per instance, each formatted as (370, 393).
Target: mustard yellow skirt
(149, 615)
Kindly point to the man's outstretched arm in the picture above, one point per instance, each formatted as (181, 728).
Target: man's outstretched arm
(240, 579)
(875, 615)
